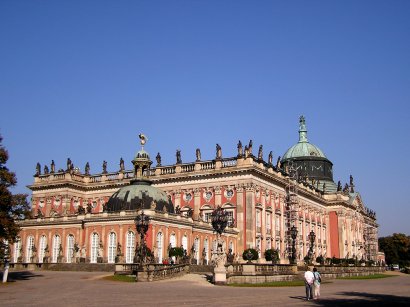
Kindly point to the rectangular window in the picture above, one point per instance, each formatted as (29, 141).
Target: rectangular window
(230, 218)
(268, 222)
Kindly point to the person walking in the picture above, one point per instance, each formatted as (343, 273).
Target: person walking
(309, 278)
(316, 283)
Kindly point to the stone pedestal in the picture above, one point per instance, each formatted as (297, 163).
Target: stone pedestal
(219, 277)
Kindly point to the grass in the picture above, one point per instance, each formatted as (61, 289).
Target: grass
(373, 276)
(123, 278)
(291, 283)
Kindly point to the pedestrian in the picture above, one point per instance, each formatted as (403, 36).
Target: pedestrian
(309, 278)
(316, 283)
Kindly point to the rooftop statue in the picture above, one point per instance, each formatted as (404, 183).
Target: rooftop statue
(46, 171)
(278, 164)
(104, 166)
(38, 169)
(122, 168)
(218, 152)
(87, 169)
(260, 153)
(53, 167)
(178, 154)
(69, 165)
(270, 158)
(158, 158)
(246, 151)
(143, 139)
(240, 149)
(198, 154)
(250, 147)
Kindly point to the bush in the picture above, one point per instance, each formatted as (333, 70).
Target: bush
(254, 252)
(176, 252)
(272, 255)
(320, 260)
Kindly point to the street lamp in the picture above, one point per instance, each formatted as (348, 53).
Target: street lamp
(293, 234)
(312, 238)
(142, 224)
(219, 220)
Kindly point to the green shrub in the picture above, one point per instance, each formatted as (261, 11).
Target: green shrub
(272, 255)
(254, 252)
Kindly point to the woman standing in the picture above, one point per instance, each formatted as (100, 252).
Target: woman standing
(316, 283)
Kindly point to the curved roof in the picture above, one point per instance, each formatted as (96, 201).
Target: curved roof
(303, 148)
(140, 194)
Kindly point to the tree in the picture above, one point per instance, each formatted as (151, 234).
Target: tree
(12, 207)
(396, 249)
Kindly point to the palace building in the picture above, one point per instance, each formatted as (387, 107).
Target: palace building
(83, 217)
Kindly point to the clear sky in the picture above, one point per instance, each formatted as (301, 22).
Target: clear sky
(81, 79)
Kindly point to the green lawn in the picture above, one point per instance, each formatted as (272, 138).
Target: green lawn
(374, 276)
(123, 278)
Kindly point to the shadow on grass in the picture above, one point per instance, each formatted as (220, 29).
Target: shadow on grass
(361, 299)
(20, 275)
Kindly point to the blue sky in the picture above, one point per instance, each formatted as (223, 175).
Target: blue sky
(81, 79)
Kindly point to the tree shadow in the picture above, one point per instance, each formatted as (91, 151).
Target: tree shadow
(20, 275)
(363, 299)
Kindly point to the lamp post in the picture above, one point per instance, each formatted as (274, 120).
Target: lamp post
(312, 238)
(293, 234)
(142, 224)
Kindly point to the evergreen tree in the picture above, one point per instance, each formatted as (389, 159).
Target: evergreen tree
(12, 207)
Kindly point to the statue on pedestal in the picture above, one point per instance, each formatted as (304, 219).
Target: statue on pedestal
(198, 155)
(240, 149)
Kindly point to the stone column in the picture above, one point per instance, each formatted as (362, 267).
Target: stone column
(240, 218)
(250, 216)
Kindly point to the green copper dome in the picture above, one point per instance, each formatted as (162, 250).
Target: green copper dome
(303, 148)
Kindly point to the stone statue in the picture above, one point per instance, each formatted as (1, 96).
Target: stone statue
(104, 166)
(143, 139)
(53, 167)
(122, 168)
(39, 213)
(270, 158)
(69, 164)
(260, 153)
(81, 209)
(87, 169)
(246, 151)
(278, 164)
(38, 169)
(346, 188)
(240, 149)
(198, 154)
(89, 208)
(83, 252)
(46, 171)
(250, 147)
(218, 152)
(351, 180)
(339, 186)
(179, 160)
(158, 158)
(177, 210)
(100, 250)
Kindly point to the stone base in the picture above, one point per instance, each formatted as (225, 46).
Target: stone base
(219, 277)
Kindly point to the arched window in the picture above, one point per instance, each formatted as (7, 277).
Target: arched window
(70, 248)
(56, 248)
(29, 250)
(196, 247)
(206, 249)
(159, 246)
(231, 247)
(130, 246)
(42, 249)
(173, 240)
(17, 250)
(112, 247)
(185, 242)
(173, 243)
(95, 244)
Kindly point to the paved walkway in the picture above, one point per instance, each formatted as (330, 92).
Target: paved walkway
(47, 288)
